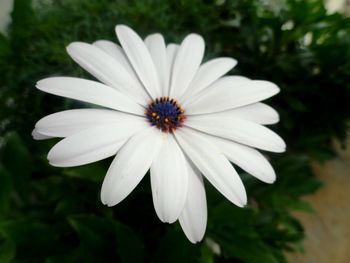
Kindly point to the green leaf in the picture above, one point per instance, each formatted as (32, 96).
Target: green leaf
(93, 172)
(248, 250)
(207, 255)
(4, 47)
(6, 188)
(301, 205)
(174, 247)
(130, 247)
(7, 249)
(22, 14)
(33, 239)
(108, 239)
(17, 161)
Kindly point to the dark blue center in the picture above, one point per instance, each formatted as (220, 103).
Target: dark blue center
(165, 113)
(166, 110)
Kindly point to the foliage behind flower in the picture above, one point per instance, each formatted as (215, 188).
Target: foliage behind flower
(44, 215)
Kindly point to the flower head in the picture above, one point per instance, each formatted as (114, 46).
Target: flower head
(163, 111)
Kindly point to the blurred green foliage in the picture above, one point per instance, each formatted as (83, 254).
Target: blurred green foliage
(54, 215)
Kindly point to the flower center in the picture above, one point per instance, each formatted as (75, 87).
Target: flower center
(166, 114)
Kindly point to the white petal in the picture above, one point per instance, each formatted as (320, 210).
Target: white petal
(156, 46)
(38, 136)
(106, 69)
(238, 130)
(213, 165)
(256, 112)
(66, 123)
(207, 74)
(186, 64)
(230, 92)
(117, 53)
(232, 81)
(249, 159)
(92, 145)
(130, 165)
(169, 179)
(171, 51)
(193, 218)
(91, 92)
(140, 58)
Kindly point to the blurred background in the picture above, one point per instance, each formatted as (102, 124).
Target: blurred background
(52, 215)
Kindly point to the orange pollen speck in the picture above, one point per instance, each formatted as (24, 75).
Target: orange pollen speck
(166, 114)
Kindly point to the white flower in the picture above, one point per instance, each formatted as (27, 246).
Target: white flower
(166, 112)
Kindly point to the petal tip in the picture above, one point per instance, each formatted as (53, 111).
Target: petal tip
(275, 88)
(35, 134)
(278, 150)
(194, 241)
(233, 62)
(242, 202)
(52, 163)
(107, 200)
(74, 47)
(122, 28)
(195, 36)
(39, 85)
(71, 46)
(103, 201)
(268, 178)
(272, 181)
(283, 147)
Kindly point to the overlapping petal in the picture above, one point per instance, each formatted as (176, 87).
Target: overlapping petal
(207, 74)
(257, 112)
(67, 123)
(187, 61)
(38, 136)
(171, 51)
(156, 46)
(140, 59)
(241, 131)
(116, 52)
(213, 165)
(91, 92)
(92, 145)
(106, 69)
(169, 177)
(193, 218)
(229, 93)
(247, 158)
(130, 165)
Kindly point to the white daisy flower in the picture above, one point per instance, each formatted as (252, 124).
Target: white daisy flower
(166, 112)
